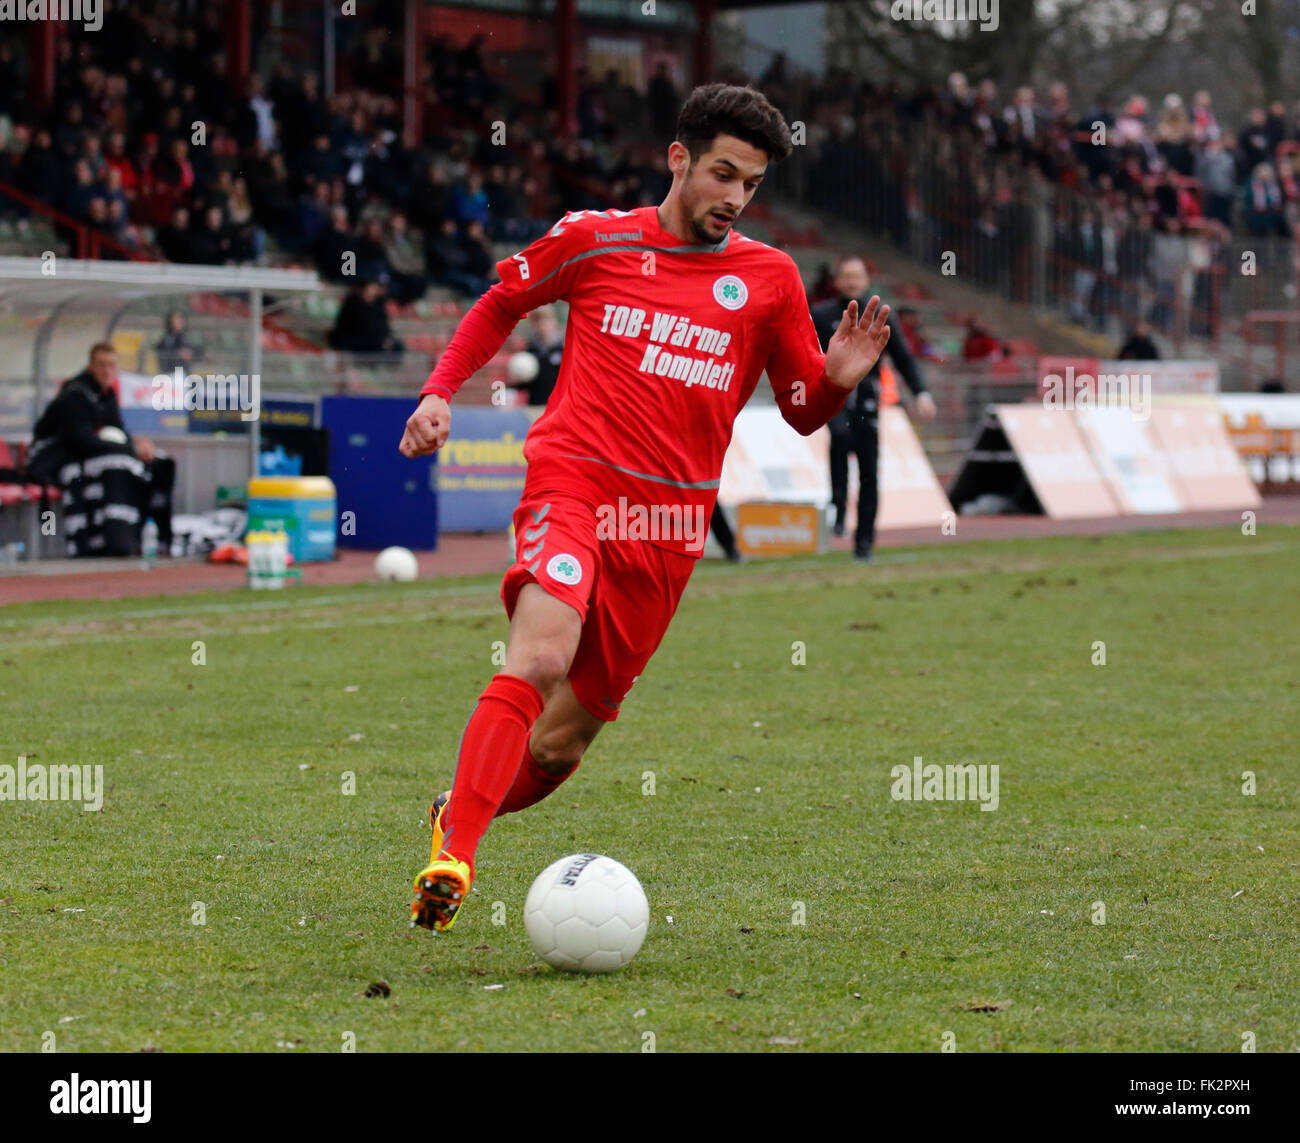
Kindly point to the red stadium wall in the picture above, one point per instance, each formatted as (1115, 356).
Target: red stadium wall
(502, 32)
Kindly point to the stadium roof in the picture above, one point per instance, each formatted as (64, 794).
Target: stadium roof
(28, 284)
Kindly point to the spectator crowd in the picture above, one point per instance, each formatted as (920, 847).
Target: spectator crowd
(1107, 213)
(1094, 208)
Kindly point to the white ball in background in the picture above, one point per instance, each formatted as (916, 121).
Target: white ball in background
(396, 565)
(522, 366)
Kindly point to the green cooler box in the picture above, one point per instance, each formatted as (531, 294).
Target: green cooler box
(306, 507)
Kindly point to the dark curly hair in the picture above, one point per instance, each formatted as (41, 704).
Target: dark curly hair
(725, 109)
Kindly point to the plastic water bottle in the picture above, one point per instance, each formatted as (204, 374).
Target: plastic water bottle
(149, 543)
(268, 559)
(277, 559)
(253, 546)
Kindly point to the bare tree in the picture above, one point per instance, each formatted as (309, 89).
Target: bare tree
(1245, 52)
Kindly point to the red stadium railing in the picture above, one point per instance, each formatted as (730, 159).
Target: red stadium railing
(87, 241)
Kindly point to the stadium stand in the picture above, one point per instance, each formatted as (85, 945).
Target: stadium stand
(1013, 185)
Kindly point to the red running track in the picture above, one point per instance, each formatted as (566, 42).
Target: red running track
(483, 554)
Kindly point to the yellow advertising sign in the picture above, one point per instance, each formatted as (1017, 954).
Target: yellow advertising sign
(778, 529)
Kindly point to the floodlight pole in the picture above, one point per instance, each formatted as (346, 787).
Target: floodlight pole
(255, 369)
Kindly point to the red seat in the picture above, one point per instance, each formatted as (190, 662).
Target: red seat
(13, 458)
(422, 343)
(10, 492)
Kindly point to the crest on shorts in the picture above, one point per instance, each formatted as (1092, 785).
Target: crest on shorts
(730, 292)
(564, 568)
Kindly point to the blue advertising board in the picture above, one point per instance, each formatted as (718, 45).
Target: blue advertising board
(481, 471)
(274, 412)
(217, 403)
(384, 498)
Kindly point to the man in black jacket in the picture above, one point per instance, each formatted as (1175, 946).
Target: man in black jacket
(362, 324)
(1139, 346)
(547, 345)
(856, 428)
(112, 482)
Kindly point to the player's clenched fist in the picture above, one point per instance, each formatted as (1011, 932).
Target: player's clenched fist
(427, 427)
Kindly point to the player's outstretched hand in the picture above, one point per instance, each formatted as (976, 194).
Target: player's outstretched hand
(857, 345)
(427, 427)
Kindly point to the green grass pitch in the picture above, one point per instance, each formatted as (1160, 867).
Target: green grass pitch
(810, 909)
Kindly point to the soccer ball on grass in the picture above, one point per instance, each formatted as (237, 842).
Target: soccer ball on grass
(586, 913)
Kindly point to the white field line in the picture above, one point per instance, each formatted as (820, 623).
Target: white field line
(210, 633)
(240, 604)
(770, 580)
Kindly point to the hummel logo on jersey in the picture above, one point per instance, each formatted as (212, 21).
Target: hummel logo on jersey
(617, 235)
(574, 215)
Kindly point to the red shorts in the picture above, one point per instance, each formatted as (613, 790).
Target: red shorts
(626, 592)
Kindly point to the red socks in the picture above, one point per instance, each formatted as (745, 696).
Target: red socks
(532, 784)
(490, 751)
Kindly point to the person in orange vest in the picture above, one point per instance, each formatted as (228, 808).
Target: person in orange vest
(856, 428)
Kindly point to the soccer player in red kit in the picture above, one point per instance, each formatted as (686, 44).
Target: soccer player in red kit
(673, 317)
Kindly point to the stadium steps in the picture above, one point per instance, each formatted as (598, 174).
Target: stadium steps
(30, 238)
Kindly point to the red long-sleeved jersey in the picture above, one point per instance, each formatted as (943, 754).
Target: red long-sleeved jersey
(666, 341)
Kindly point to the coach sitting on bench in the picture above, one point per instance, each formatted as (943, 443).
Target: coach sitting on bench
(111, 483)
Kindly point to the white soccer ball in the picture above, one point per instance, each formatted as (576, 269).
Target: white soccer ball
(586, 913)
(396, 565)
(522, 366)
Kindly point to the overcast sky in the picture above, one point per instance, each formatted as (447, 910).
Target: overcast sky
(795, 29)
